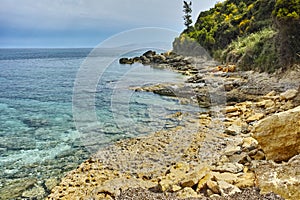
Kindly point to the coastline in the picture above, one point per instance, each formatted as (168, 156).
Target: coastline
(215, 154)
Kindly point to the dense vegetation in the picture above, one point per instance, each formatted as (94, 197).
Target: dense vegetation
(260, 34)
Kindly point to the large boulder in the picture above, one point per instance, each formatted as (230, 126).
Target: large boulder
(279, 135)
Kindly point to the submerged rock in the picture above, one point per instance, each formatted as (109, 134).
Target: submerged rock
(15, 188)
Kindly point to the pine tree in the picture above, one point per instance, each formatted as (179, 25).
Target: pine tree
(187, 9)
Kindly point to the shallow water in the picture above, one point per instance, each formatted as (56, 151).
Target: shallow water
(39, 136)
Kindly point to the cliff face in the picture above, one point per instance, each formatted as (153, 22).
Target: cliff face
(254, 34)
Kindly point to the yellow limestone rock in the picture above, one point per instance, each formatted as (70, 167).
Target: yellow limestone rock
(213, 186)
(187, 193)
(279, 135)
(193, 178)
(255, 117)
(246, 180)
(230, 109)
(228, 177)
(282, 179)
(289, 94)
(227, 189)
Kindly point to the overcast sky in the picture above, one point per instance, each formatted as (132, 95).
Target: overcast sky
(85, 23)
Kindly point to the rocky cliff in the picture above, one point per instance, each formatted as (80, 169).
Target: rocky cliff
(254, 34)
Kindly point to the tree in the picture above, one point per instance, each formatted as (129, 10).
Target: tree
(187, 9)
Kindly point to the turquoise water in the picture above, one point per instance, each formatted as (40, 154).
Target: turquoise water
(38, 134)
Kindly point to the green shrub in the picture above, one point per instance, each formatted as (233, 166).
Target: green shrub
(256, 51)
(257, 34)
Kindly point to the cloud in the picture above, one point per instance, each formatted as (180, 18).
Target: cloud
(86, 16)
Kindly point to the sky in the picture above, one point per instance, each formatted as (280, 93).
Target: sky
(85, 23)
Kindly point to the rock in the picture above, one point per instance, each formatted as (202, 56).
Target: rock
(149, 54)
(241, 158)
(246, 180)
(15, 188)
(249, 143)
(203, 181)
(165, 91)
(37, 192)
(289, 94)
(213, 186)
(165, 185)
(255, 117)
(266, 103)
(187, 193)
(287, 105)
(233, 130)
(125, 61)
(279, 135)
(233, 114)
(282, 179)
(259, 156)
(159, 58)
(230, 109)
(51, 183)
(229, 167)
(114, 187)
(198, 78)
(270, 94)
(228, 177)
(227, 189)
(193, 178)
(230, 150)
(175, 188)
(175, 175)
(145, 60)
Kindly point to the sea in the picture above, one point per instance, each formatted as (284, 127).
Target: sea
(59, 106)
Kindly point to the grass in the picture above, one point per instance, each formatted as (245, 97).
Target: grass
(255, 51)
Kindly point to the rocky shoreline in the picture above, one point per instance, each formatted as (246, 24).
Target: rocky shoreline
(246, 147)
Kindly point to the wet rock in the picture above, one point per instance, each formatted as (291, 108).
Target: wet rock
(126, 61)
(51, 183)
(37, 192)
(15, 188)
(278, 135)
(35, 122)
(165, 91)
(149, 54)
